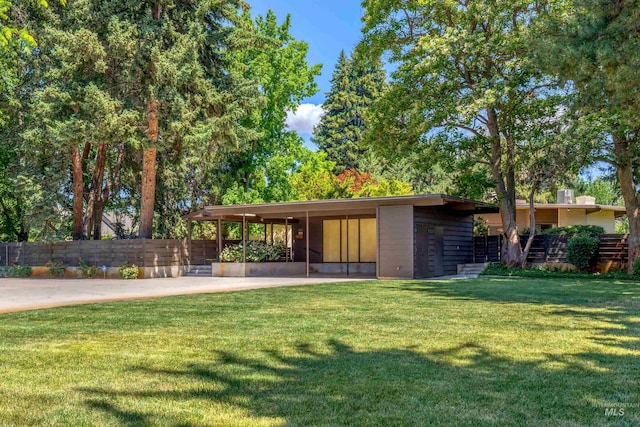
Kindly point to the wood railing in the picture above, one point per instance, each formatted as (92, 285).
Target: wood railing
(552, 248)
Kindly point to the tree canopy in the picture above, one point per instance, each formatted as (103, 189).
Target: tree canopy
(464, 86)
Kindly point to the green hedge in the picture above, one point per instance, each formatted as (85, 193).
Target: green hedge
(575, 229)
(257, 251)
(500, 269)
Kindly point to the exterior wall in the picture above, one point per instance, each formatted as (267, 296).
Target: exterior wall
(449, 232)
(494, 222)
(257, 269)
(557, 217)
(604, 219)
(571, 217)
(546, 216)
(522, 219)
(395, 242)
(367, 268)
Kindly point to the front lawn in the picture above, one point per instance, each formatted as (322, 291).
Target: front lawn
(483, 352)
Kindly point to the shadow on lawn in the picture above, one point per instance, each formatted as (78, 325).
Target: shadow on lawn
(614, 303)
(580, 292)
(335, 384)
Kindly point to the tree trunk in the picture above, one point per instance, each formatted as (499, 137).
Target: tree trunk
(96, 187)
(97, 219)
(511, 253)
(149, 173)
(112, 183)
(78, 189)
(532, 229)
(624, 170)
(511, 250)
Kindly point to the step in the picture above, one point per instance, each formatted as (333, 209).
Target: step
(467, 269)
(200, 271)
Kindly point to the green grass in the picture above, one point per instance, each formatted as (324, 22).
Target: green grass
(480, 352)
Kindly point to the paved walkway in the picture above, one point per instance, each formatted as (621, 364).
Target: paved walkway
(30, 294)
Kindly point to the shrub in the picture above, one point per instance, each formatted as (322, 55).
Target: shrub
(636, 267)
(257, 251)
(581, 251)
(480, 227)
(16, 271)
(497, 269)
(87, 269)
(575, 229)
(561, 267)
(128, 271)
(55, 268)
(552, 273)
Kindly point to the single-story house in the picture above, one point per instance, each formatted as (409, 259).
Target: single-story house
(389, 237)
(584, 211)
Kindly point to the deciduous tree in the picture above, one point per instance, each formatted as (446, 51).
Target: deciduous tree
(463, 82)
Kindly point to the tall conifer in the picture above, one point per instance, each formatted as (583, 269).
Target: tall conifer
(355, 84)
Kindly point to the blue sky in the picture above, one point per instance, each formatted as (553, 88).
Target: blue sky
(328, 26)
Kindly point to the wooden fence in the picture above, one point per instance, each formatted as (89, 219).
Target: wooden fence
(552, 248)
(112, 253)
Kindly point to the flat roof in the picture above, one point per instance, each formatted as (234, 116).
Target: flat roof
(337, 207)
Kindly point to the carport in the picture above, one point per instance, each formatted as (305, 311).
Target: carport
(389, 237)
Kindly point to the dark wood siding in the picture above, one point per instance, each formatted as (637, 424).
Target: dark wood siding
(315, 241)
(395, 242)
(445, 240)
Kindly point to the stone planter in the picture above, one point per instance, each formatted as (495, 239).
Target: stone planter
(257, 269)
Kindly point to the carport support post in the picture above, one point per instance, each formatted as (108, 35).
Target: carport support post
(347, 245)
(219, 237)
(189, 225)
(244, 239)
(286, 239)
(307, 237)
(377, 242)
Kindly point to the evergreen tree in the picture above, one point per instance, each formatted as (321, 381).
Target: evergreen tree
(594, 44)
(355, 84)
(169, 67)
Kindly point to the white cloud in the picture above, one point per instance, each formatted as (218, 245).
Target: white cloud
(305, 118)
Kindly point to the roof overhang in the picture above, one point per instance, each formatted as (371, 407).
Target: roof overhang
(618, 211)
(334, 207)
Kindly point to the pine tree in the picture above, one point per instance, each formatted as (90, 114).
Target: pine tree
(355, 84)
(123, 91)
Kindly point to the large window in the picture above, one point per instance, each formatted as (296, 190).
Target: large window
(353, 240)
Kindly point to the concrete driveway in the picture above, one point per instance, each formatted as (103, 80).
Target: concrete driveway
(30, 294)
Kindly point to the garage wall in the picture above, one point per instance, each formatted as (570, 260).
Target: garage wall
(444, 239)
(395, 242)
